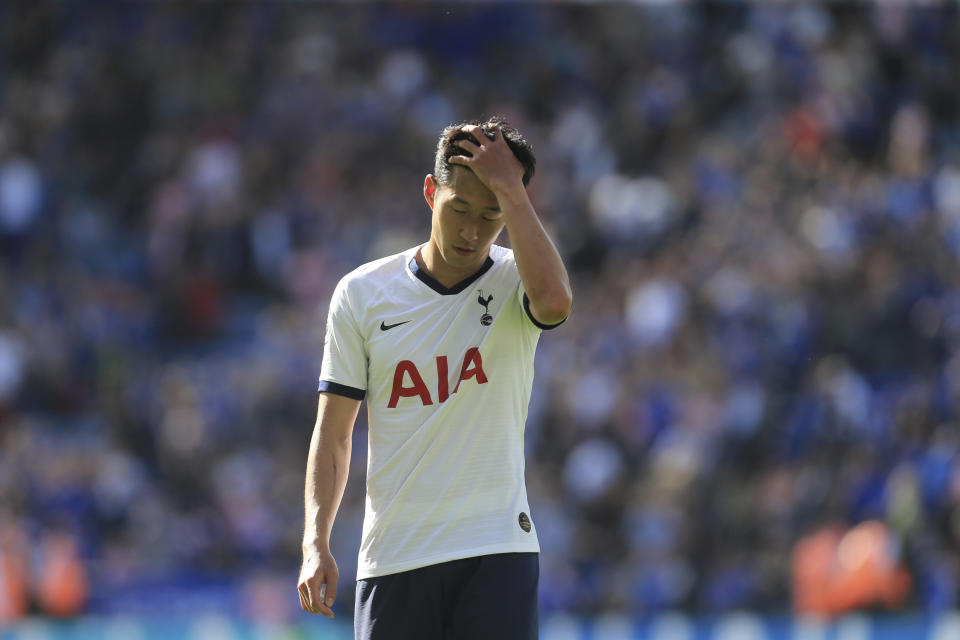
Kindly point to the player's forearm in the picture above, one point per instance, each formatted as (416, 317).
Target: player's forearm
(327, 468)
(544, 277)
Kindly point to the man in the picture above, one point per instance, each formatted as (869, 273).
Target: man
(440, 340)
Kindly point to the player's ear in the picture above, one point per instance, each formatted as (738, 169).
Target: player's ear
(429, 189)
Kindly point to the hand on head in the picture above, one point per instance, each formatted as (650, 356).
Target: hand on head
(490, 159)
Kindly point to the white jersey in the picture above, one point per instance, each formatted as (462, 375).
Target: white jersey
(447, 374)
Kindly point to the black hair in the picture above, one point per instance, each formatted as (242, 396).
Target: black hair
(442, 169)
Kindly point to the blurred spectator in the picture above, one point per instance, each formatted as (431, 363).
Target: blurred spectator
(61, 577)
(835, 571)
(14, 573)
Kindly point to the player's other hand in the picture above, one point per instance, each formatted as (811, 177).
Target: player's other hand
(318, 581)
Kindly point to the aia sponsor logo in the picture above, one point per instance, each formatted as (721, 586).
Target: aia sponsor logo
(408, 383)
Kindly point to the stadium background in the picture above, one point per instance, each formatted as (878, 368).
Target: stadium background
(753, 407)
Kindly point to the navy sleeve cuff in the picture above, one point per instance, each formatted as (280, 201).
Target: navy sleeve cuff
(341, 390)
(547, 327)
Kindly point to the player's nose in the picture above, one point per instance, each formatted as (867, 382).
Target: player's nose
(469, 232)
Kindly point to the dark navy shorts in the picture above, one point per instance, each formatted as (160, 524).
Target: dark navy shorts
(480, 598)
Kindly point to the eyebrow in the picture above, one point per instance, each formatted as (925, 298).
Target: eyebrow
(462, 201)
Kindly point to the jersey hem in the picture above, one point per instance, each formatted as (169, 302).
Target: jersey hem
(363, 574)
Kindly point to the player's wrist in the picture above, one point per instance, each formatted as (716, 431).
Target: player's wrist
(313, 544)
(510, 192)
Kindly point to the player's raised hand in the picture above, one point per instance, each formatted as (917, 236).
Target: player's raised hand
(318, 582)
(491, 161)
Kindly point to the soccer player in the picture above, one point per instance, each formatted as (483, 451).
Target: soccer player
(440, 341)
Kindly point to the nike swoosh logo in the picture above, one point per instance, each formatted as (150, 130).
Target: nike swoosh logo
(387, 327)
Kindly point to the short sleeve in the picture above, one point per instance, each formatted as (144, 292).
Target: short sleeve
(344, 367)
(525, 302)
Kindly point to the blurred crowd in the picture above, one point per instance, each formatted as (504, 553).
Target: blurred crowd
(759, 207)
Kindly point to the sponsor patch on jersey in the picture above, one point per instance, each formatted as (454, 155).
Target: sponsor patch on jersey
(524, 522)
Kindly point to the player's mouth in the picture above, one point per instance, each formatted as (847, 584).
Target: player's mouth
(464, 252)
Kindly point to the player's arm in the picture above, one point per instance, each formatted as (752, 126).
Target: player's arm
(327, 465)
(541, 269)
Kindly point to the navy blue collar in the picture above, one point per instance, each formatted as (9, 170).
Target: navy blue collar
(434, 284)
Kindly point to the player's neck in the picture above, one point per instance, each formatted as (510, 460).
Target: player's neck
(430, 260)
